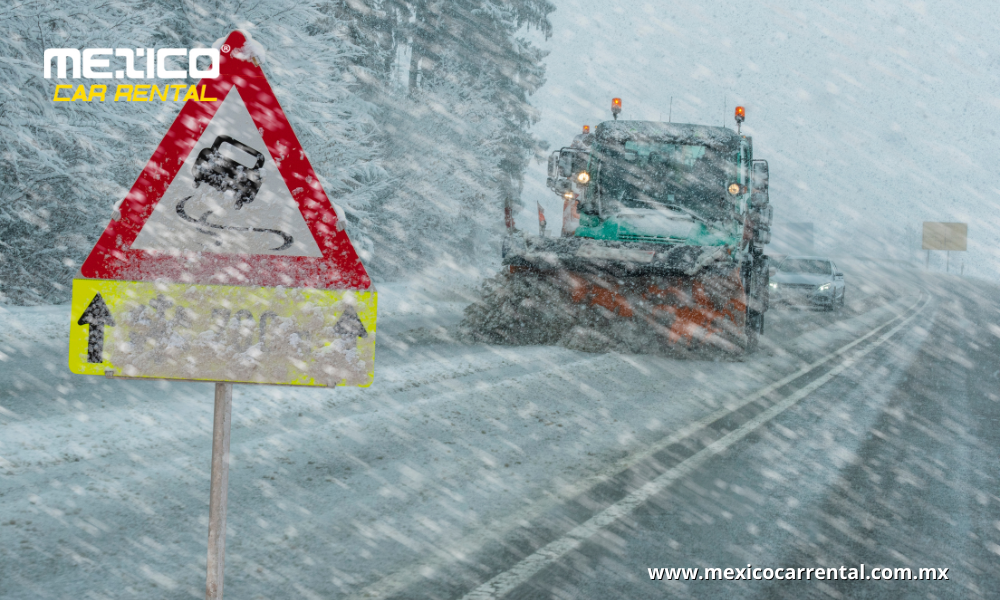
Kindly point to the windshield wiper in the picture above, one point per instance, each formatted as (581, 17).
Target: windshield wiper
(657, 203)
(688, 212)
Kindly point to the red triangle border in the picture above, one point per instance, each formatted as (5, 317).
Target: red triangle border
(114, 258)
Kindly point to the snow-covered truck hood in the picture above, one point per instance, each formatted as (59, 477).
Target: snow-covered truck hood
(662, 225)
(659, 223)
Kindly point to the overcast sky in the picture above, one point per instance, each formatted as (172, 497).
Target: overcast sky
(875, 116)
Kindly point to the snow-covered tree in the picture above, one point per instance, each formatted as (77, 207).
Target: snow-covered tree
(452, 81)
(63, 164)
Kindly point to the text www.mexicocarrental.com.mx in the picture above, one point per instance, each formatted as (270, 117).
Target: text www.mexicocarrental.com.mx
(857, 573)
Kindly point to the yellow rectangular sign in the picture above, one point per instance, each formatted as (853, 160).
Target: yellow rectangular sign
(945, 236)
(224, 333)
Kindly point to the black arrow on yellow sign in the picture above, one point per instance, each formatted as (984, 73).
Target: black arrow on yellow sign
(97, 316)
(350, 325)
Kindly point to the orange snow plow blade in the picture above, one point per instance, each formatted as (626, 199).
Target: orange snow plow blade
(685, 311)
(596, 297)
(594, 312)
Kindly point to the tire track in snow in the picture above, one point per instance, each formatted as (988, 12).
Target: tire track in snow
(506, 581)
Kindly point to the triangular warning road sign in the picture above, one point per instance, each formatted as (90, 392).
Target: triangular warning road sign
(225, 261)
(229, 198)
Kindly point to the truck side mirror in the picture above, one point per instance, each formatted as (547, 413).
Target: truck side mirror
(760, 175)
(565, 164)
(759, 198)
(758, 189)
(553, 171)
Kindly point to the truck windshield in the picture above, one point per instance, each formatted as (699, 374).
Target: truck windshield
(646, 174)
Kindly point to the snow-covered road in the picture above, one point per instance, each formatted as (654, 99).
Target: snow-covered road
(347, 492)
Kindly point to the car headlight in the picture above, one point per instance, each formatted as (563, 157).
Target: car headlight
(824, 287)
(773, 285)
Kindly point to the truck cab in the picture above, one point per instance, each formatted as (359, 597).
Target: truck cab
(663, 183)
(645, 198)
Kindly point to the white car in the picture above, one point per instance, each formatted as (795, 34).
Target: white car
(807, 280)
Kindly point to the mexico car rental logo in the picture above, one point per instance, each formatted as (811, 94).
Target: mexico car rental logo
(138, 63)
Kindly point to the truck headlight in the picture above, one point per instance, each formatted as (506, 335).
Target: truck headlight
(824, 287)
(773, 285)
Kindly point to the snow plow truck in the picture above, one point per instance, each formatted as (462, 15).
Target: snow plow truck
(662, 243)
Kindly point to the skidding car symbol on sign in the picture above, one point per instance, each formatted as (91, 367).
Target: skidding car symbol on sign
(227, 262)
(224, 173)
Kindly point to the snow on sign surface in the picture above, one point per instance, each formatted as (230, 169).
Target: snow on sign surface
(225, 261)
